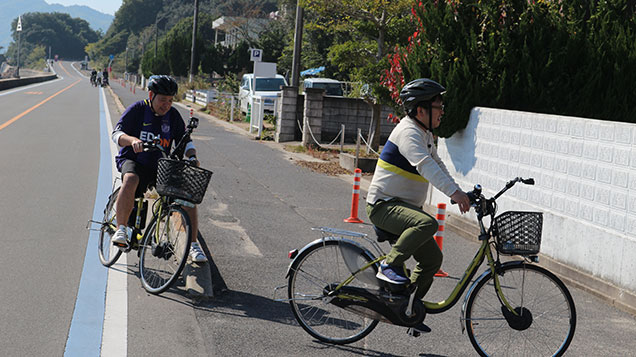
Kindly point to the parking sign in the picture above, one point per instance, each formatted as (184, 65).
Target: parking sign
(256, 55)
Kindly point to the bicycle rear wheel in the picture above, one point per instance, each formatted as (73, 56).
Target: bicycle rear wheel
(164, 250)
(546, 317)
(318, 267)
(108, 253)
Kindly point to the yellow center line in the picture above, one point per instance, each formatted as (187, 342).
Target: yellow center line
(65, 70)
(2, 126)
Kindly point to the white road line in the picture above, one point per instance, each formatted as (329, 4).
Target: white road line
(115, 331)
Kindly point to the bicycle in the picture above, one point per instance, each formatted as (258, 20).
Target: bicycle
(163, 247)
(513, 308)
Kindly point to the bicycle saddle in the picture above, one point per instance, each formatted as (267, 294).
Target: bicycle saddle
(385, 236)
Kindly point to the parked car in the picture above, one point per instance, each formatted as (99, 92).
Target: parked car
(268, 88)
(331, 86)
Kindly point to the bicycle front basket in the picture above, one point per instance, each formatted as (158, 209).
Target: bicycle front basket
(518, 233)
(179, 179)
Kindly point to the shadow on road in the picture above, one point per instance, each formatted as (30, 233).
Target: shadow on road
(242, 304)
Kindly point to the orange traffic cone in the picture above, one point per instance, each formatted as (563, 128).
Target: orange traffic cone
(439, 236)
(355, 198)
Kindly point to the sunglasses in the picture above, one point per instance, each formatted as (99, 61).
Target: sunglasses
(441, 107)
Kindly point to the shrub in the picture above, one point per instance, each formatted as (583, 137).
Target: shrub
(576, 58)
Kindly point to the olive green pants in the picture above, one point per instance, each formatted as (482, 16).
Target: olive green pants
(416, 229)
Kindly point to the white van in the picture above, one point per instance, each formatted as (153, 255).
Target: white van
(331, 86)
(268, 88)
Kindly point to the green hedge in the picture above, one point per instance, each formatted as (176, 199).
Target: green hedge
(575, 59)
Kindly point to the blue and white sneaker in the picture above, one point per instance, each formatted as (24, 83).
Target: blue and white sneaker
(391, 274)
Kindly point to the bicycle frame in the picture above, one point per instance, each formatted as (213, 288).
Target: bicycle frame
(484, 252)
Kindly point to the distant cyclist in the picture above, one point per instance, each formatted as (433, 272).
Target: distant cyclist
(94, 77)
(407, 164)
(105, 77)
(145, 121)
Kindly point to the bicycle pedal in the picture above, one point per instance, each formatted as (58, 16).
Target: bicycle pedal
(413, 332)
(418, 330)
(125, 248)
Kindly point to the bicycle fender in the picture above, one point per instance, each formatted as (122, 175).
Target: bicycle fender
(353, 244)
(484, 275)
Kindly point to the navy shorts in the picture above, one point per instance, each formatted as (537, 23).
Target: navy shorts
(147, 176)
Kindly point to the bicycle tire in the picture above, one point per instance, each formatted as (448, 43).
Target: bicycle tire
(162, 256)
(107, 252)
(548, 317)
(315, 268)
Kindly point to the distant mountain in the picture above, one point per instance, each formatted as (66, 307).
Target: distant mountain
(10, 9)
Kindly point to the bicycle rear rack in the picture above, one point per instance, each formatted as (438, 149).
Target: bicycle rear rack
(91, 221)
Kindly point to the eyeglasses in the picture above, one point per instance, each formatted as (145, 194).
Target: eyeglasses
(441, 107)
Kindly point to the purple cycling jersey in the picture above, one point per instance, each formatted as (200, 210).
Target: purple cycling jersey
(141, 122)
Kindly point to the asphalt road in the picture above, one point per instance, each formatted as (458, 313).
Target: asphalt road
(259, 205)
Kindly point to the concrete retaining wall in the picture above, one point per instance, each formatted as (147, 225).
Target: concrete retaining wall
(585, 173)
(12, 83)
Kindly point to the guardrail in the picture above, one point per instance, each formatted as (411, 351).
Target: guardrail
(202, 96)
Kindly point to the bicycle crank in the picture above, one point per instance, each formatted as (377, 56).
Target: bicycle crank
(393, 307)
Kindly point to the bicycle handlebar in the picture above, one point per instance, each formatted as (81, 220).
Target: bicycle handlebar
(180, 146)
(476, 198)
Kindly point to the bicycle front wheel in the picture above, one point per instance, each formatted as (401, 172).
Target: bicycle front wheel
(314, 272)
(545, 320)
(108, 253)
(164, 250)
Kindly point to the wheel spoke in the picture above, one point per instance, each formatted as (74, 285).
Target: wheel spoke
(317, 268)
(546, 316)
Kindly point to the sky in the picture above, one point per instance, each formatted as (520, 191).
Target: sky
(105, 6)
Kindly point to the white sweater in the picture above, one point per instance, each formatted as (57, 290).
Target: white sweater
(408, 162)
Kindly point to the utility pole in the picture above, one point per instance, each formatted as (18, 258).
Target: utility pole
(194, 38)
(126, 68)
(298, 39)
(19, 31)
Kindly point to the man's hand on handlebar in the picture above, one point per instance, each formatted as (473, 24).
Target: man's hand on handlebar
(137, 145)
(462, 199)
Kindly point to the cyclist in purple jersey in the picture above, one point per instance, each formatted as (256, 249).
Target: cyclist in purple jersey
(145, 121)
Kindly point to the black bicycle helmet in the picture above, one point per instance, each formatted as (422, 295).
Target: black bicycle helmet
(162, 84)
(420, 90)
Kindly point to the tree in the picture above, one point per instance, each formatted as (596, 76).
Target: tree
(361, 30)
(576, 58)
(67, 36)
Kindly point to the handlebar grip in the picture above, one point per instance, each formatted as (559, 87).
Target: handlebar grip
(529, 181)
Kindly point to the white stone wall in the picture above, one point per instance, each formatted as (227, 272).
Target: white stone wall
(585, 173)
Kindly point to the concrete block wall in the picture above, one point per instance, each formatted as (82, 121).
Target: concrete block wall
(354, 113)
(313, 114)
(288, 116)
(585, 173)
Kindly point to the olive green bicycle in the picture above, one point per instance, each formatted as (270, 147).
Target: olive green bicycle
(515, 308)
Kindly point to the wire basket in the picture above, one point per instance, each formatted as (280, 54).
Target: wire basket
(518, 233)
(179, 179)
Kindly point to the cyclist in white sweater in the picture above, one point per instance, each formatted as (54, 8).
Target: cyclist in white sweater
(407, 164)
